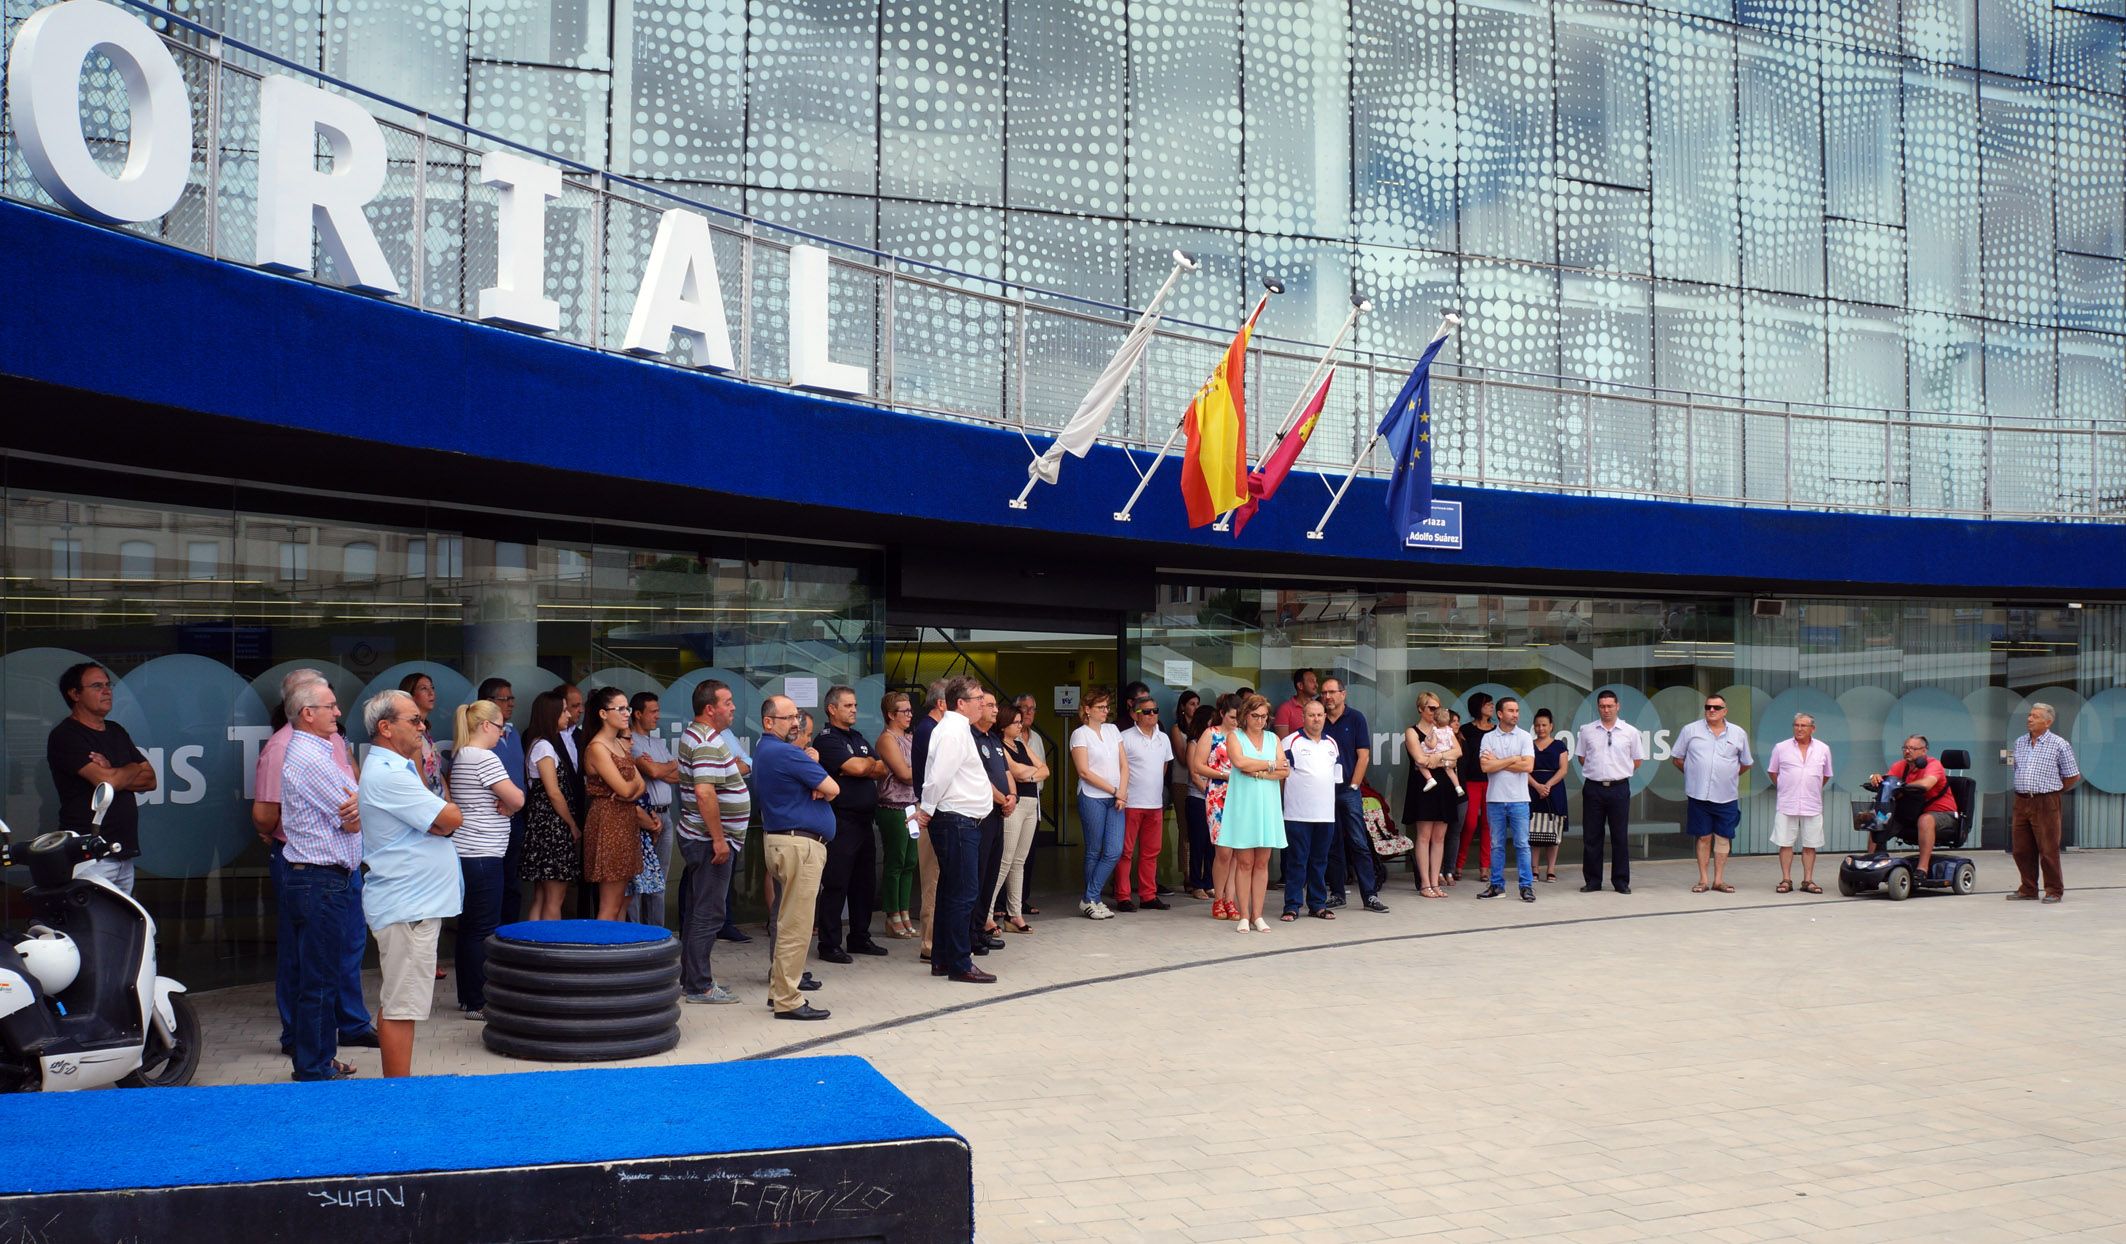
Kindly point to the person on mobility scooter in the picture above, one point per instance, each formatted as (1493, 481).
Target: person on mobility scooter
(1920, 803)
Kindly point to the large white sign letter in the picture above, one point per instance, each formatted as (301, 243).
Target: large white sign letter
(810, 368)
(681, 294)
(523, 188)
(293, 196)
(44, 94)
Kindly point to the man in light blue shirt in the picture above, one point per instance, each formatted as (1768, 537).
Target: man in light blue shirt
(1507, 758)
(1713, 754)
(414, 881)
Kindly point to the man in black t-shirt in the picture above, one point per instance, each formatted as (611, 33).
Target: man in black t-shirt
(851, 874)
(84, 749)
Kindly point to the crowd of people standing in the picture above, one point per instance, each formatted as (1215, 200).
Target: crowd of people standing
(927, 830)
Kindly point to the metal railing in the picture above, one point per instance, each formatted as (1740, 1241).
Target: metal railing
(968, 347)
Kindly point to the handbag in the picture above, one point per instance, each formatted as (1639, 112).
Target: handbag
(1546, 829)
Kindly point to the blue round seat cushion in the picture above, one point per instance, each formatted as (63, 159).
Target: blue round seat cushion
(581, 933)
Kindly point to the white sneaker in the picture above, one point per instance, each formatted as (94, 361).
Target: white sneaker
(1088, 911)
(1261, 925)
(1102, 911)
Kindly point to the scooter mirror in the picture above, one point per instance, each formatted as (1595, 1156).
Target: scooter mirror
(100, 803)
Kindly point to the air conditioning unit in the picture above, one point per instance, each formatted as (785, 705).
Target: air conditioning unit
(1766, 607)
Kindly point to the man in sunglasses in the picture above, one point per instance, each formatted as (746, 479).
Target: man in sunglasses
(1713, 753)
(1147, 751)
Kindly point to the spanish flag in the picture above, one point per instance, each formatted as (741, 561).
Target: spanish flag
(1214, 466)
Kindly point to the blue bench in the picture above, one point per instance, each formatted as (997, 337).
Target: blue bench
(812, 1149)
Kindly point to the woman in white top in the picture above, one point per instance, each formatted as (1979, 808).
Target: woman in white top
(1096, 753)
(480, 786)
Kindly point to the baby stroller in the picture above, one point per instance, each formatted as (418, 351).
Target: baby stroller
(1898, 875)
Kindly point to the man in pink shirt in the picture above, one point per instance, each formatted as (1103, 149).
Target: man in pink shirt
(1292, 714)
(1801, 768)
(354, 1025)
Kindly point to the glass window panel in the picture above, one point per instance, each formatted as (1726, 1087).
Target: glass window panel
(1855, 23)
(203, 559)
(1943, 31)
(545, 32)
(1402, 123)
(1088, 257)
(1297, 57)
(2089, 176)
(2016, 237)
(853, 294)
(941, 102)
(1867, 358)
(410, 51)
(2092, 379)
(950, 347)
(2086, 51)
(1504, 120)
(1694, 150)
(1782, 167)
(1063, 144)
(1410, 290)
(2015, 37)
(812, 105)
(1317, 288)
(136, 559)
(1604, 228)
(358, 561)
(1076, 254)
(1866, 263)
(1698, 339)
(680, 114)
(2021, 377)
(1512, 325)
(1605, 329)
(1219, 293)
(1184, 113)
(1946, 354)
(1783, 348)
(1863, 137)
(563, 111)
(1941, 188)
(2093, 292)
(1601, 92)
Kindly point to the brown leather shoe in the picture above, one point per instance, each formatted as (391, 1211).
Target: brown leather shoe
(975, 976)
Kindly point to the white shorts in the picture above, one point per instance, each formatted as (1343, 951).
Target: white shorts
(1807, 829)
(407, 952)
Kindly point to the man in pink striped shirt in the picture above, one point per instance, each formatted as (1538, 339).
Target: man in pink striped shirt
(1801, 768)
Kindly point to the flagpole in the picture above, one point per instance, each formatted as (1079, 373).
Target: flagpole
(1446, 326)
(1306, 392)
(1271, 286)
(1183, 262)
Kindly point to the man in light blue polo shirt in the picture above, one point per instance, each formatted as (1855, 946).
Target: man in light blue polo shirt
(1507, 758)
(414, 881)
(1713, 754)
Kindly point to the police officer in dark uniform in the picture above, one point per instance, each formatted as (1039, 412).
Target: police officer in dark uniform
(989, 743)
(851, 875)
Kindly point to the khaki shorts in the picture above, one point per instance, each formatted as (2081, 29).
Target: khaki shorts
(408, 953)
(1807, 830)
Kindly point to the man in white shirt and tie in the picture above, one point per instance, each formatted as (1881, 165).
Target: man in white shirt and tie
(956, 795)
(1609, 752)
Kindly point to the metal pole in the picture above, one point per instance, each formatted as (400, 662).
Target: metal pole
(885, 347)
(1122, 515)
(420, 211)
(1338, 499)
(745, 301)
(215, 69)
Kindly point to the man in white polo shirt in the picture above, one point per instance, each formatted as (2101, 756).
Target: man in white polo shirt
(1799, 768)
(1147, 751)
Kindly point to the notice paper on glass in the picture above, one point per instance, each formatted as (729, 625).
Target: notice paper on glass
(1180, 673)
(803, 692)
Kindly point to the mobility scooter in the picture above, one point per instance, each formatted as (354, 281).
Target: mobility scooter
(1898, 875)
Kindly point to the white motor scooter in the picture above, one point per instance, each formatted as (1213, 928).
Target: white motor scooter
(80, 1003)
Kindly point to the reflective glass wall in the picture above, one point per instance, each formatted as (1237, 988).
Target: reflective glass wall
(200, 609)
(1884, 203)
(1870, 671)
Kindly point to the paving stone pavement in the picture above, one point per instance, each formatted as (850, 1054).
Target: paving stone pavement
(1590, 1067)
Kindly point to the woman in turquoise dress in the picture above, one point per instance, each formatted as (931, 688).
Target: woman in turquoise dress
(1254, 809)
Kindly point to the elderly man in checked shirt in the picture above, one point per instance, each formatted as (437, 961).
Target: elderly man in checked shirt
(324, 851)
(2044, 772)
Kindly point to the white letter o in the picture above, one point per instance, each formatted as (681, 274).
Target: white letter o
(44, 93)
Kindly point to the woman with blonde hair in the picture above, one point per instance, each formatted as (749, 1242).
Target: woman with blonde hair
(1253, 825)
(1429, 802)
(896, 793)
(481, 787)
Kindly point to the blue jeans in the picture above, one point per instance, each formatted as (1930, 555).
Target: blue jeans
(957, 841)
(353, 1011)
(1350, 841)
(1306, 865)
(1102, 820)
(483, 911)
(322, 902)
(1514, 816)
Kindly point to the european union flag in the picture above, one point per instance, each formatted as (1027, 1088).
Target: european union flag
(1408, 429)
